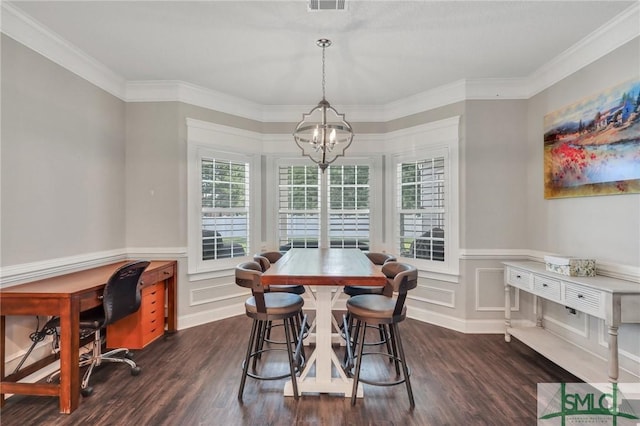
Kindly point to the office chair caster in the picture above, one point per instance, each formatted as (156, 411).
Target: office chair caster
(86, 392)
(128, 355)
(135, 371)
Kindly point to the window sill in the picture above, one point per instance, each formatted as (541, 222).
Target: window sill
(216, 268)
(433, 270)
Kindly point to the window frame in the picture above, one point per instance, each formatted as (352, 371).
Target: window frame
(433, 140)
(374, 162)
(205, 141)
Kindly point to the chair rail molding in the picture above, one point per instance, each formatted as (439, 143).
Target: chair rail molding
(31, 271)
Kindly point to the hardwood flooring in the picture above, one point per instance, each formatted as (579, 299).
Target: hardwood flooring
(192, 378)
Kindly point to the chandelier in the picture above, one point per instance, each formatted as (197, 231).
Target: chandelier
(323, 135)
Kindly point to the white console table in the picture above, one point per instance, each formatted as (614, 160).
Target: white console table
(613, 300)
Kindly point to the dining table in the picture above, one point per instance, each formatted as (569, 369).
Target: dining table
(324, 271)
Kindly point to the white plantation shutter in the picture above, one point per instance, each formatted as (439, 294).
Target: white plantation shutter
(225, 208)
(349, 212)
(300, 198)
(422, 209)
(298, 206)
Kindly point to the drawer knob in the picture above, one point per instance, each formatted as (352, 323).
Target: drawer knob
(166, 273)
(580, 296)
(518, 276)
(545, 285)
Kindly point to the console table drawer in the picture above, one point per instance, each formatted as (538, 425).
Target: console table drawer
(547, 288)
(519, 278)
(585, 299)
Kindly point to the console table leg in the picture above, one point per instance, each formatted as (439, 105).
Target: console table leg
(507, 312)
(613, 353)
(538, 304)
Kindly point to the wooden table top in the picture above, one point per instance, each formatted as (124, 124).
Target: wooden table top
(334, 266)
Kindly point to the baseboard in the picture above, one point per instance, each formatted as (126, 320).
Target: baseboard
(200, 318)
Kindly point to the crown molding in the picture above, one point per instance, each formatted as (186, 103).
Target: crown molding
(173, 90)
(22, 28)
(620, 30)
(31, 33)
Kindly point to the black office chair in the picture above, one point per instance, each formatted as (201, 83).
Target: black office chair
(267, 307)
(379, 309)
(121, 297)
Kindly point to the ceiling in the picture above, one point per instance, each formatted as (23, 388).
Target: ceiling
(265, 52)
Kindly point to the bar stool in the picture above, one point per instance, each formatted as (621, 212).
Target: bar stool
(264, 307)
(379, 309)
(354, 290)
(265, 260)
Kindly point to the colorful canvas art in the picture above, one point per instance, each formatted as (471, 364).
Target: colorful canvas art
(592, 147)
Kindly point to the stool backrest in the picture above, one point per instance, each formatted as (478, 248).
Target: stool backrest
(273, 256)
(380, 258)
(248, 275)
(264, 262)
(401, 277)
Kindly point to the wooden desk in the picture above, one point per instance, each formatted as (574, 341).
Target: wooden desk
(325, 269)
(66, 296)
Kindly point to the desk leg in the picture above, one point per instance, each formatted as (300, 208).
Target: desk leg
(2, 354)
(172, 293)
(69, 357)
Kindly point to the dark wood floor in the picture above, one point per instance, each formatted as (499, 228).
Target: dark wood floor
(192, 378)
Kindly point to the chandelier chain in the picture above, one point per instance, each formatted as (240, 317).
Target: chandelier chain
(323, 74)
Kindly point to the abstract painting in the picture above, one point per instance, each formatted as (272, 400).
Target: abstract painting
(592, 147)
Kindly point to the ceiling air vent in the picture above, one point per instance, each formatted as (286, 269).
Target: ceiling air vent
(316, 5)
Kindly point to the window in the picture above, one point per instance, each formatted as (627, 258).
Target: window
(225, 208)
(342, 194)
(223, 197)
(349, 206)
(423, 213)
(421, 209)
(298, 206)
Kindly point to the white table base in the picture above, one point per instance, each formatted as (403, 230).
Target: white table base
(323, 356)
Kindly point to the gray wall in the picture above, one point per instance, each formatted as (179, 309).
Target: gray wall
(493, 157)
(63, 161)
(155, 158)
(606, 228)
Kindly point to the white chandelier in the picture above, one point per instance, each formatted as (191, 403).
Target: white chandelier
(323, 135)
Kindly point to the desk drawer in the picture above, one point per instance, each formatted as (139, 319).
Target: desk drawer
(166, 272)
(584, 299)
(153, 293)
(153, 327)
(139, 329)
(547, 288)
(519, 278)
(149, 278)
